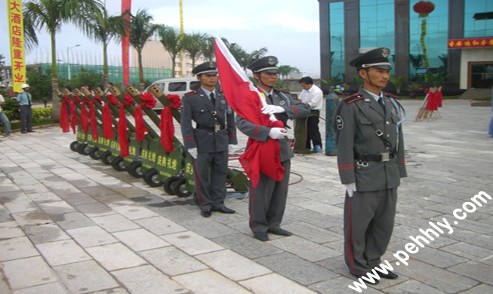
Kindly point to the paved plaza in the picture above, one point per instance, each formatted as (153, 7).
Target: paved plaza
(71, 224)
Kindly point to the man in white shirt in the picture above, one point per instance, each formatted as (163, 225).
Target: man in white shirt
(313, 97)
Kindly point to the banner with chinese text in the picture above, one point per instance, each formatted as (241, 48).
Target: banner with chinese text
(16, 35)
(470, 43)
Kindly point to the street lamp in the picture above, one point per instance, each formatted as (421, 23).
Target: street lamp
(68, 59)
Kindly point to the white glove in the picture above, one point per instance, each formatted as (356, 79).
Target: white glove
(270, 109)
(193, 152)
(230, 148)
(351, 188)
(278, 133)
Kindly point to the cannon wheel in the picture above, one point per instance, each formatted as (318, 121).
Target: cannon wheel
(179, 187)
(106, 157)
(135, 169)
(151, 178)
(94, 153)
(167, 184)
(118, 164)
(83, 149)
(74, 145)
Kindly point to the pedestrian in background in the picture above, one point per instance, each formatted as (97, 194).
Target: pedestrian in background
(268, 199)
(313, 97)
(4, 119)
(370, 158)
(209, 142)
(25, 106)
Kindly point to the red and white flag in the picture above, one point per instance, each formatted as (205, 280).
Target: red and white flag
(245, 99)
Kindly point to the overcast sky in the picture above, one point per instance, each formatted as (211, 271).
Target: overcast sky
(289, 29)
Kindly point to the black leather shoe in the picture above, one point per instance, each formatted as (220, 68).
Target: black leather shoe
(279, 231)
(223, 209)
(31, 131)
(205, 212)
(261, 236)
(390, 275)
(23, 132)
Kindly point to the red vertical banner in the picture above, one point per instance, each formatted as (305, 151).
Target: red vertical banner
(126, 8)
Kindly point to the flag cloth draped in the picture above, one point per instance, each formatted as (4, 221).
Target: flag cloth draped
(245, 100)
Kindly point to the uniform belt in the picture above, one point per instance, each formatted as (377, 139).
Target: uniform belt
(384, 156)
(210, 128)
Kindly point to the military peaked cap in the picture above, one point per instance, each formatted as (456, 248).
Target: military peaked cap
(378, 57)
(266, 64)
(205, 68)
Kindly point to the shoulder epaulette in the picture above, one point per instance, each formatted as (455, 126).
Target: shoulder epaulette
(190, 93)
(391, 95)
(353, 98)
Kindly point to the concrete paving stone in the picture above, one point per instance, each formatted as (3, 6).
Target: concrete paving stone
(15, 248)
(412, 209)
(475, 270)
(405, 232)
(242, 227)
(129, 191)
(296, 268)
(312, 232)
(233, 265)
(94, 209)
(45, 233)
(74, 220)
(411, 286)
(246, 245)
(133, 211)
(172, 261)
(82, 183)
(191, 243)
(208, 281)
(480, 289)
(43, 197)
(57, 210)
(112, 291)
(317, 219)
(340, 285)
(114, 223)
(19, 278)
(91, 236)
(160, 226)
(115, 256)
(304, 248)
(468, 251)
(21, 204)
(74, 198)
(10, 229)
(85, 277)
(146, 279)
(474, 226)
(481, 240)
(322, 196)
(274, 284)
(62, 252)
(437, 257)
(32, 218)
(208, 228)
(326, 209)
(140, 239)
(53, 288)
(443, 280)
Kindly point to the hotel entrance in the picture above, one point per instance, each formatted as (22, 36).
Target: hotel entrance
(480, 74)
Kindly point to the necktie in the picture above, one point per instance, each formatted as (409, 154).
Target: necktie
(269, 99)
(213, 100)
(29, 99)
(382, 104)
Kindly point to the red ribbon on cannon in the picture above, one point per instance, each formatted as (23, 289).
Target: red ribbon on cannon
(166, 124)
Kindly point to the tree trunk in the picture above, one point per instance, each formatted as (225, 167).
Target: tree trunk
(141, 71)
(55, 101)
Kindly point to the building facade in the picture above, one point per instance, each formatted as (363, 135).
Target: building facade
(449, 41)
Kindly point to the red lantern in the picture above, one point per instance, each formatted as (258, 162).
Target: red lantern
(424, 8)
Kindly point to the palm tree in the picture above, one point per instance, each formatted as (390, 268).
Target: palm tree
(103, 29)
(193, 44)
(285, 70)
(52, 14)
(170, 38)
(141, 29)
(239, 54)
(208, 50)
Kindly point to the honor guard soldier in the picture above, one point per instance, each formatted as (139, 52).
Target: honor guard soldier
(268, 199)
(370, 158)
(209, 142)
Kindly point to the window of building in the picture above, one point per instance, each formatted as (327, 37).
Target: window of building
(336, 16)
(474, 24)
(428, 40)
(377, 24)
